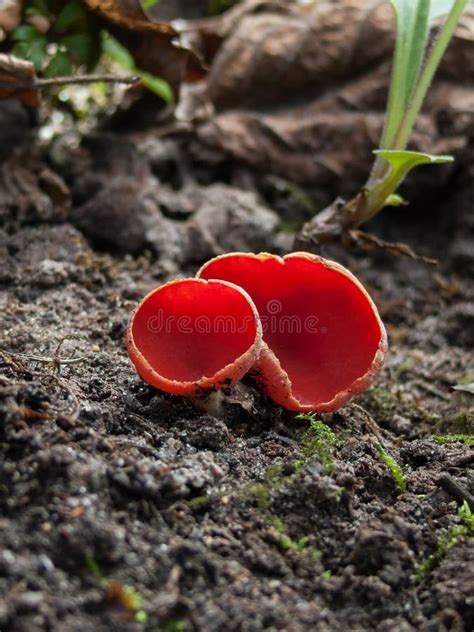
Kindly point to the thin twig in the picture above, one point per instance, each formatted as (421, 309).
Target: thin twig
(455, 490)
(58, 81)
(371, 423)
(69, 418)
(44, 360)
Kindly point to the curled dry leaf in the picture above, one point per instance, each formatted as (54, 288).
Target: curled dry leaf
(155, 46)
(130, 14)
(274, 56)
(369, 241)
(169, 10)
(17, 80)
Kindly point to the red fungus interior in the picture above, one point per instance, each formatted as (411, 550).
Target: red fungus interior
(317, 321)
(190, 329)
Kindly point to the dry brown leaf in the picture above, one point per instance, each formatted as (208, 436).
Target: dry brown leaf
(307, 142)
(17, 80)
(169, 10)
(155, 46)
(129, 14)
(293, 84)
(279, 54)
(370, 241)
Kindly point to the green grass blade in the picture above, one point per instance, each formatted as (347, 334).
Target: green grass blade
(427, 75)
(412, 35)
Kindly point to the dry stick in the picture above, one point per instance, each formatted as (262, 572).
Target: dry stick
(71, 417)
(372, 424)
(58, 81)
(52, 361)
(455, 490)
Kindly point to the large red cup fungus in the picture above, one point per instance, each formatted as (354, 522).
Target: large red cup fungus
(193, 336)
(324, 338)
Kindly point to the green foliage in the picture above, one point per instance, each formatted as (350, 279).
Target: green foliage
(57, 37)
(320, 441)
(397, 472)
(457, 423)
(199, 502)
(454, 438)
(219, 6)
(401, 162)
(61, 38)
(148, 4)
(93, 567)
(259, 491)
(172, 626)
(382, 400)
(447, 542)
(134, 598)
(121, 55)
(288, 544)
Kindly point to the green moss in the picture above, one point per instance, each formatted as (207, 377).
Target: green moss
(397, 473)
(132, 597)
(288, 544)
(447, 541)
(257, 492)
(199, 502)
(458, 423)
(382, 400)
(298, 464)
(274, 474)
(93, 567)
(454, 438)
(319, 441)
(172, 626)
(141, 616)
(467, 378)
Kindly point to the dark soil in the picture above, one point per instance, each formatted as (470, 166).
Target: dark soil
(106, 482)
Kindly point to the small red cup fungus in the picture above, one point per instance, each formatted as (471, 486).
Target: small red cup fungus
(191, 337)
(323, 337)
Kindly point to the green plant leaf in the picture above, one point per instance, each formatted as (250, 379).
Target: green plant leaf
(79, 47)
(34, 51)
(59, 65)
(25, 33)
(148, 4)
(120, 54)
(401, 162)
(159, 86)
(395, 200)
(70, 16)
(117, 52)
(38, 7)
(412, 36)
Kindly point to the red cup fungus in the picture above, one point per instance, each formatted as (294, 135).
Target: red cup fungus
(192, 336)
(323, 337)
